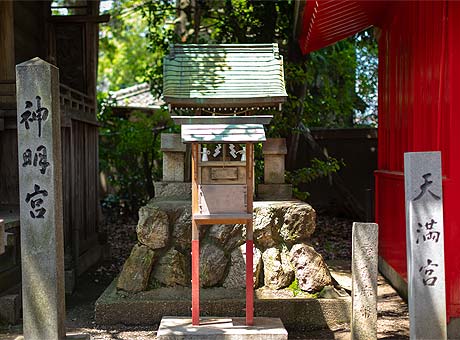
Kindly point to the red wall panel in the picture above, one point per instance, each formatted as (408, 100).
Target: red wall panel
(419, 110)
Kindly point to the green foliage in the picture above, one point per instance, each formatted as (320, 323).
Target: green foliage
(130, 155)
(294, 288)
(332, 87)
(131, 46)
(317, 169)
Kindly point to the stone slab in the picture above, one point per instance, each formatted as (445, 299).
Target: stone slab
(173, 190)
(181, 328)
(425, 245)
(274, 192)
(172, 142)
(364, 281)
(147, 308)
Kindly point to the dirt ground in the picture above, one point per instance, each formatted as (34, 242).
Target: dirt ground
(332, 239)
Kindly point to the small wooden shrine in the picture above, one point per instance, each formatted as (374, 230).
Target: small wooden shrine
(228, 83)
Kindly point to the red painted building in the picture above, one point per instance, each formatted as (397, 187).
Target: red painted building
(419, 110)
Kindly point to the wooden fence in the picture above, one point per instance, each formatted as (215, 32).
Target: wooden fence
(80, 182)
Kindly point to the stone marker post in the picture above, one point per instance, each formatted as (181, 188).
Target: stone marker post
(364, 281)
(40, 195)
(274, 151)
(425, 245)
(173, 157)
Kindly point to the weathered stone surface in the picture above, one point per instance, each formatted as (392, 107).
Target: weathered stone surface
(265, 232)
(135, 274)
(173, 167)
(311, 271)
(182, 230)
(229, 236)
(180, 221)
(212, 265)
(298, 222)
(236, 277)
(171, 269)
(278, 272)
(274, 169)
(153, 227)
(274, 150)
(40, 198)
(292, 222)
(274, 146)
(173, 190)
(425, 245)
(172, 142)
(364, 272)
(274, 192)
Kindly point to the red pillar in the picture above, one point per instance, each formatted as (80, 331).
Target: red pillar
(195, 282)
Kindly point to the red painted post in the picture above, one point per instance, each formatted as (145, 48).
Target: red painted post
(249, 283)
(195, 282)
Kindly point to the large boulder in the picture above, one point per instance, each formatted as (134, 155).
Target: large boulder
(265, 231)
(182, 230)
(228, 236)
(282, 223)
(135, 274)
(236, 277)
(153, 227)
(297, 222)
(278, 272)
(213, 263)
(171, 269)
(311, 271)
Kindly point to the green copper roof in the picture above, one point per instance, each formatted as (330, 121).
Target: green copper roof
(224, 76)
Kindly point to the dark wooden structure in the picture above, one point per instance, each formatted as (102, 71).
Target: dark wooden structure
(29, 29)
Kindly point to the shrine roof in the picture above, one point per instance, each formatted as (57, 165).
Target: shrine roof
(218, 133)
(224, 76)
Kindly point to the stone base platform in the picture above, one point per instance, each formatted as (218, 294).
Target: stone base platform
(179, 328)
(148, 308)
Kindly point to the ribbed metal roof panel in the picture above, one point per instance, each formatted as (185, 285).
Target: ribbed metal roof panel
(328, 21)
(208, 75)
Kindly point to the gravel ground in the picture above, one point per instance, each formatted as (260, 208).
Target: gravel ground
(332, 239)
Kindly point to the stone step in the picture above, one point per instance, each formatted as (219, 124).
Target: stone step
(178, 328)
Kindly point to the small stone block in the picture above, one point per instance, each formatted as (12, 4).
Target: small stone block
(274, 192)
(173, 167)
(10, 308)
(173, 190)
(274, 146)
(178, 328)
(274, 169)
(172, 142)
